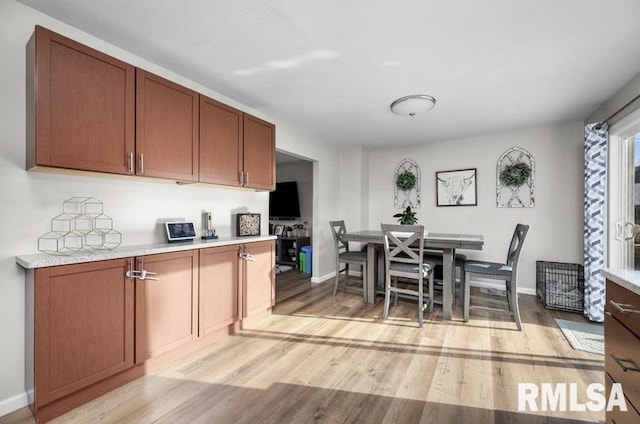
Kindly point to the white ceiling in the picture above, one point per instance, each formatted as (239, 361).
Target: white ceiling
(332, 67)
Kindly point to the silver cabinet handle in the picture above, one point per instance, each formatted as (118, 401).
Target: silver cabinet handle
(241, 177)
(246, 178)
(620, 362)
(144, 275)
(624, 308)
(142, 163)
(131, 165)
(141, 275)
(247, 256)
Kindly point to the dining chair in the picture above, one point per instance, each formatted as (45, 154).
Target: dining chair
(403, 256)
(346, 256)
(507, 272)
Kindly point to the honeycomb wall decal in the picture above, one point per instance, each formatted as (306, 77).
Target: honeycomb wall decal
(81, 227)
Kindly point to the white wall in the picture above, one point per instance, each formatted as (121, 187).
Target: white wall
(326, 199)
(31, 199)
(556, 220)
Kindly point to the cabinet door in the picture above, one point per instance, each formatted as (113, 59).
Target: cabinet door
(259, 153)
(259, 278)
(220, 143)
(219, 288)
(166, 128)
(80, 106)
(166, 306)
(84, 323)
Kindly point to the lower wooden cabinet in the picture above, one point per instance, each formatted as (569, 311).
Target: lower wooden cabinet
(98, 325)
(622, 350)
(219, 288)
(166, 303)
(84, 326)
(258, 280)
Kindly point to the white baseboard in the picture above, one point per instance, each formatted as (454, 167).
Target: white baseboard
(323, 278)
(13, 403)
(333, 275)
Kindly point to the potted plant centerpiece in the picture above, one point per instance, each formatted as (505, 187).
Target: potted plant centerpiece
(407, 217)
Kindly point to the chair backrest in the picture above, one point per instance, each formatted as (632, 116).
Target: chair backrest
(400, 242)
(338, 229)
(515, 247)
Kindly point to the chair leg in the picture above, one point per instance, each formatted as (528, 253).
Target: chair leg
(396, 299)
(335, 286)
(346, 272)
(513, 302)
(364, 283)
(431, 291)
(387, 297)
(466, 298)
(420, 308)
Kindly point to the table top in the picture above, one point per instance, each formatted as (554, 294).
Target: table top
(432, 240)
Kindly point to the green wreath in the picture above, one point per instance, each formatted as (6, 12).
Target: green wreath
(515, 175)
(406, 180)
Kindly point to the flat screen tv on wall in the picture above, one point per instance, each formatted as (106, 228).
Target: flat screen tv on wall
(283, 201)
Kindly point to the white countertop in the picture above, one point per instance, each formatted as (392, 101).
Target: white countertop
(627, 278)
(41, 260)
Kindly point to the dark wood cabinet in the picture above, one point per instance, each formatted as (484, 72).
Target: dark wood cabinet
(166, 128)
(258, 279)
(259, 153)
(166, 303)
(84, 326)
(221, 145)
(622, 349)
(80, 106)
(219, 289)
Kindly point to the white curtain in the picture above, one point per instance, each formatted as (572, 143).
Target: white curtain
(595, 183)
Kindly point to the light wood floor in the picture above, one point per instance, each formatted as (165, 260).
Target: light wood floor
(333, 360)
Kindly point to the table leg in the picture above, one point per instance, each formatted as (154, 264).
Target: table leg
(448, 283)
(370, 295)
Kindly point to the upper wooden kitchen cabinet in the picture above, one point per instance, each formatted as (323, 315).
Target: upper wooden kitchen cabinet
(80, 106)
(236, 149)
(84, 327)
(259, 153)
(221, 151)
(166, 302)
(167, 116)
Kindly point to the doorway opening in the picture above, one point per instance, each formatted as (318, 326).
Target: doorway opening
(291, 220)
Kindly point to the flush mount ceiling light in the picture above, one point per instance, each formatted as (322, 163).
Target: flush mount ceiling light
(413, 104)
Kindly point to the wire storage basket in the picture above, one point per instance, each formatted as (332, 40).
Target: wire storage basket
(560, 285)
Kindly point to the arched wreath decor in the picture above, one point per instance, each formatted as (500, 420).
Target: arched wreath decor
(407, 185)
(515, 175)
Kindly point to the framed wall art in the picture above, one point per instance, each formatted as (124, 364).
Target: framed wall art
(457, 188)
(248, 224)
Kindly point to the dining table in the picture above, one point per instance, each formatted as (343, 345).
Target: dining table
(445, 242)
